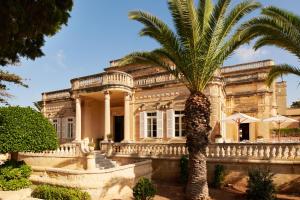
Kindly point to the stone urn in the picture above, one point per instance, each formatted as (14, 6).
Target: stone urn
(218, 139)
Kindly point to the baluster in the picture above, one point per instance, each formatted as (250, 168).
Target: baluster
(233, 151)
(223, 151)
(228, 150)
(207, 151)
(286, 152)
(292, 152)
(297, 152)
(273, 153)
(255, 153)
(279, 152)
(250, 150)
(239, 151)
(218, 151)
(261, 152)
(267, 153)
(244, 151)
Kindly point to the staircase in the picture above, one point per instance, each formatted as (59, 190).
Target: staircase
(103, 163)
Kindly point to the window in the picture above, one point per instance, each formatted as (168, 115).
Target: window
(70, 128)
(55, 124)
(179, 124)
(151, 124)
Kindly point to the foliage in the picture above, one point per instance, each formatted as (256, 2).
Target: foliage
(184, 169)
(24, 26)
(288, 132)
(219, 176)
(260, 185)
(144, 190)
(295, 104)
(14, 175)
(204, 38)
(25, 129)
(280, 28)
(49, 192)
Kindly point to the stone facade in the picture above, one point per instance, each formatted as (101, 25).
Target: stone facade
(145, 104)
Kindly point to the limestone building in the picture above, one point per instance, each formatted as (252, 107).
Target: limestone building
(141, 104)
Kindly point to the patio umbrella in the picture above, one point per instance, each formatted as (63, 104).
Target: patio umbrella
(240, 118)
(279, 119)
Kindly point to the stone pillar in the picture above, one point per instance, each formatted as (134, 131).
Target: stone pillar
(274, 102)
(106, 115)
(44, 105)
(78, 120)
(90, 161)
(126, 117)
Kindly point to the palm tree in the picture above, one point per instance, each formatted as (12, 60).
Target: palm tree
(204, 37)
(280, 28)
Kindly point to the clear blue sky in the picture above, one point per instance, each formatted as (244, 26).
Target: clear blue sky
(100, 31)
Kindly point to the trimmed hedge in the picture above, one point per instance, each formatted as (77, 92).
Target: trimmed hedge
(14, 175)
(288, 132)
(49, 192)
(25, 129)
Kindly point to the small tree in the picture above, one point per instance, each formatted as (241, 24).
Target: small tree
(25, 129)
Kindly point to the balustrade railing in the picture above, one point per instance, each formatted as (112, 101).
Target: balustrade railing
(64, 150)
(56, 95)
(154, 79)
(247, 66)
(106, 78)
(252, 151)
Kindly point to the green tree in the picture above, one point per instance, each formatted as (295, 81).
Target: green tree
(25, 129)
(280, 28)
(204, 37)
(24, 26)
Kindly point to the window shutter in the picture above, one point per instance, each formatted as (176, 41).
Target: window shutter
(143, 124)
(58, 128)
(64, 133)
(160, 124)
(170, 123)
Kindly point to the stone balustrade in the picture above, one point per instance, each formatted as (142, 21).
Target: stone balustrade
(61, 94)
(247, 66)
(253, 151)
(64, 150)
(154, 79)
(110, 78)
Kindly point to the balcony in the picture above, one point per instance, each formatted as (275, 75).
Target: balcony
(106, 79)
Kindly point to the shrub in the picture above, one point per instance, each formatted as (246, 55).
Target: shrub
(144, 190)
(219, 176)
(49, 192)
(184, 169)
(260, 185)
(25, 129)
(14, 175)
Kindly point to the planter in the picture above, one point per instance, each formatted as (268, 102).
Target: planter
(91, 148)
(219, 140)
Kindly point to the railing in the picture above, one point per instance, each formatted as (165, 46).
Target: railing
(106, 78)
(253, 151)
(56, 95)
(64, 150)
(154, 79)
(247, 66)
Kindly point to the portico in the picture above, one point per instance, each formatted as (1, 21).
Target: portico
(103, 107)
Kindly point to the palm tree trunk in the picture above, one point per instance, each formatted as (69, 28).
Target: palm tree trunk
(197, 113)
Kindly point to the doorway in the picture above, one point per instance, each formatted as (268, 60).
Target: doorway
(119, 128)
(244, 132)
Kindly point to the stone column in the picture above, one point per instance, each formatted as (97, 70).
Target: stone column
(78, 119)
(274, 103)
(126, 117)
(106, 115)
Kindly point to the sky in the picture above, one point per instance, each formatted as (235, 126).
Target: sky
(100, 31)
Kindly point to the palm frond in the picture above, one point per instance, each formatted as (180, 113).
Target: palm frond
(202, 39)
(279, 70)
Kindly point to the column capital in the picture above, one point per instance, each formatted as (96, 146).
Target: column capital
(127, 96)
(106, 92)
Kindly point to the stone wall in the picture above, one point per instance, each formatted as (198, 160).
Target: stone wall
(287, 174)
(107, 184)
